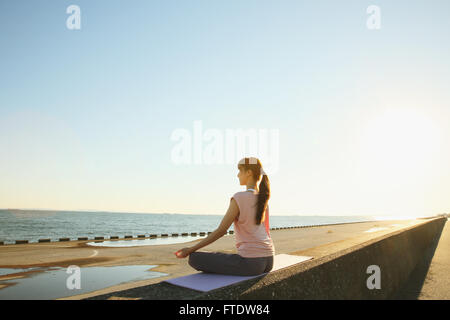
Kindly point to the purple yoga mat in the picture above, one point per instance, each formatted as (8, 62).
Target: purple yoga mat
(204, 281)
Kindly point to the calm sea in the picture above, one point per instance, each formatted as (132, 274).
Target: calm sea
(38, 224)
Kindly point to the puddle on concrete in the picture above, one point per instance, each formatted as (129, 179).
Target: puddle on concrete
(5, 271)
(144, 242)
(51, 283)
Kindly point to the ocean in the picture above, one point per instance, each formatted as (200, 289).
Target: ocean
(32, 225)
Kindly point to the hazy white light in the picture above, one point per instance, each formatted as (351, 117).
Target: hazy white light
(400, 144)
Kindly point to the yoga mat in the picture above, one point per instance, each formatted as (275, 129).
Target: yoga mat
(204, 281)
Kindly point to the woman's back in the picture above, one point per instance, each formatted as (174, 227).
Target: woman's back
(252, 240)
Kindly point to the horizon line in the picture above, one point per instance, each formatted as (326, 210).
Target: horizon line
(125, 212)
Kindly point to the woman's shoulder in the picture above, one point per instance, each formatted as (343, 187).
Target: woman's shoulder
(238, 194)
(242, 193)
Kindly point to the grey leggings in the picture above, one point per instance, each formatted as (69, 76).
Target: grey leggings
(228, 263)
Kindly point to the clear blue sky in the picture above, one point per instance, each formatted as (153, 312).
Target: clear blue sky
(363, 116)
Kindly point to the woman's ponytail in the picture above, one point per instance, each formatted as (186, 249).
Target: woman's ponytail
(255, 166)
(263, 197)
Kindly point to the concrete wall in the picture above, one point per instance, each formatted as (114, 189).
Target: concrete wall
(343, 275)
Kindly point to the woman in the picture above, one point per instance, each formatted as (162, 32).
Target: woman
(250, 213)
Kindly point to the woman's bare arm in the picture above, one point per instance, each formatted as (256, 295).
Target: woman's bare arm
(230, 216)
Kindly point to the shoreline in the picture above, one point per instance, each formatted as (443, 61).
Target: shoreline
(155, 236)
(30, 234)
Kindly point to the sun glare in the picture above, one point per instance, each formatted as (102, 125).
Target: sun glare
(399, 143)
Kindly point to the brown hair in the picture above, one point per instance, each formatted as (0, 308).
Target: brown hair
(255, 166)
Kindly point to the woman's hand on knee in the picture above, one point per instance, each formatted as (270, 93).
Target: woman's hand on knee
(183, 253)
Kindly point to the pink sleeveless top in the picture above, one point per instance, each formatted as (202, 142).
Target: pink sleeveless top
(252, 240)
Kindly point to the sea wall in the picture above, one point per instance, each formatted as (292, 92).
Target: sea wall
(346, 274)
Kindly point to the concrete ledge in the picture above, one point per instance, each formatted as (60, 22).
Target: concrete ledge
(343, 275)
(339, 275)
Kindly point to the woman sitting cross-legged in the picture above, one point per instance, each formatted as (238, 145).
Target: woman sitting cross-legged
(249, 211)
